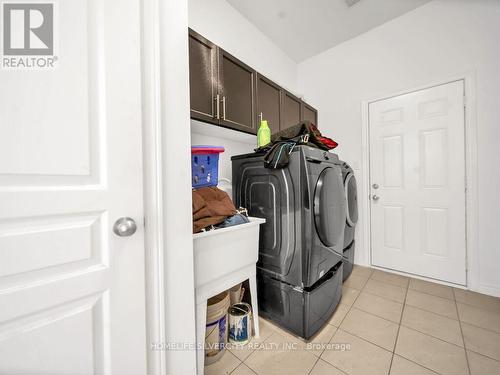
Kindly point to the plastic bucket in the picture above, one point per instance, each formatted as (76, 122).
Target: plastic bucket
(236, 293)
(239, 323)
(216, 328)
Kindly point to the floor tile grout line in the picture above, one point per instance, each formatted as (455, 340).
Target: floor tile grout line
(432, 295)
(434, 337)
(407, 288)
(386, 283)
(376, 295)
(491, 310)
(242, 364)
(406, 326)
(416, 307)
(475, 325)
(365, 340)
(417, 290)
(372, 314)
(483, 355)
(399, 328)
(238, 365)
(328, 363)
(472, 304)
(389, 283)
(431, 312)
(479, 308)
(315, 363)
(350, 307)
(483, 328)
(418, 364)
(463, 338)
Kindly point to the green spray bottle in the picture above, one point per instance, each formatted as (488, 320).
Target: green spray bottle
(263, 134)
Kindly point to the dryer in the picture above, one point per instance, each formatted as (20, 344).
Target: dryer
(351, 195)
(301, 244)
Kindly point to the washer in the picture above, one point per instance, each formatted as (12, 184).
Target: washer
(299, 271)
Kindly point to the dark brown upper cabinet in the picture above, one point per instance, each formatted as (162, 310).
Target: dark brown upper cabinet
(292, 110)
(269, 103)
(227, 92)
(237, 92)
(203, 80)
(309, 113)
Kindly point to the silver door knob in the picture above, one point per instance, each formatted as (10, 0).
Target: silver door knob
(375, 197)
(124, 227)
(375, 186)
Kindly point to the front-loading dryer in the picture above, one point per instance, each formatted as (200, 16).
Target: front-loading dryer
(351, 194)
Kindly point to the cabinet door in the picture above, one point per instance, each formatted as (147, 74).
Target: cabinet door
(202, 78)
(291, 110)
(268, 101)
(309, 113)
(237, 89)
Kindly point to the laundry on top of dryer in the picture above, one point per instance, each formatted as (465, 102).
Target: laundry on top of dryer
(305, 132)
(282, 143)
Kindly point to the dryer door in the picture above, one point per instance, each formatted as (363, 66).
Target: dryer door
(329, 206)
(351, 195)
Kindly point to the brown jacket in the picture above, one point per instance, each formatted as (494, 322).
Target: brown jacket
(211, 206)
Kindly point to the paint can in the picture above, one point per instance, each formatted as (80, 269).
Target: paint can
(239, 323)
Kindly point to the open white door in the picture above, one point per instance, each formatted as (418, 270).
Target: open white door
(72, 297)
(417, 176)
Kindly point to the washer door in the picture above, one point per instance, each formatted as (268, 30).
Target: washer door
(351, 195)
(329, 206)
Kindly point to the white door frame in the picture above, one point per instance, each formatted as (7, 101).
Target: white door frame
(170, 299)
(471, 183)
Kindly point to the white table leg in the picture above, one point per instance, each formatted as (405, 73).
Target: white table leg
(201, 321)
(255, 307)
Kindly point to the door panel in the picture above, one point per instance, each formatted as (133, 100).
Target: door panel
(351, 194)
(237, 87)
(417, 157)
(202, 77)
(329, 207)
(309, 113)
(71, 292)
(268, 101)
(292, 113)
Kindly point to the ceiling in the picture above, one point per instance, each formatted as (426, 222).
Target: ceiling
(304, 28)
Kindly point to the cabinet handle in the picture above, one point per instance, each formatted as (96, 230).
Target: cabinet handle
(224, 108)
(217, 107)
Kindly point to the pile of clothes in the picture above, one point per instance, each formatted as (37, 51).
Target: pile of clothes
(282, 143)
(213, 208)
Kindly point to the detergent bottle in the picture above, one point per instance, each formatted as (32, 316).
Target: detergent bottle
(263, 134)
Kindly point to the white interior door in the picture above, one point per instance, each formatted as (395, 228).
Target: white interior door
(417, 176)
(71, 291)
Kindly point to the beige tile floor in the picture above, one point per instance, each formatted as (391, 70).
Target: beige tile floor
(385, 324)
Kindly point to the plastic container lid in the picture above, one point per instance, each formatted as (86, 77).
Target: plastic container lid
(207, 149)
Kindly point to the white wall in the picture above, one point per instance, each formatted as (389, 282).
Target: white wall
(222, 24)
(441, 39)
